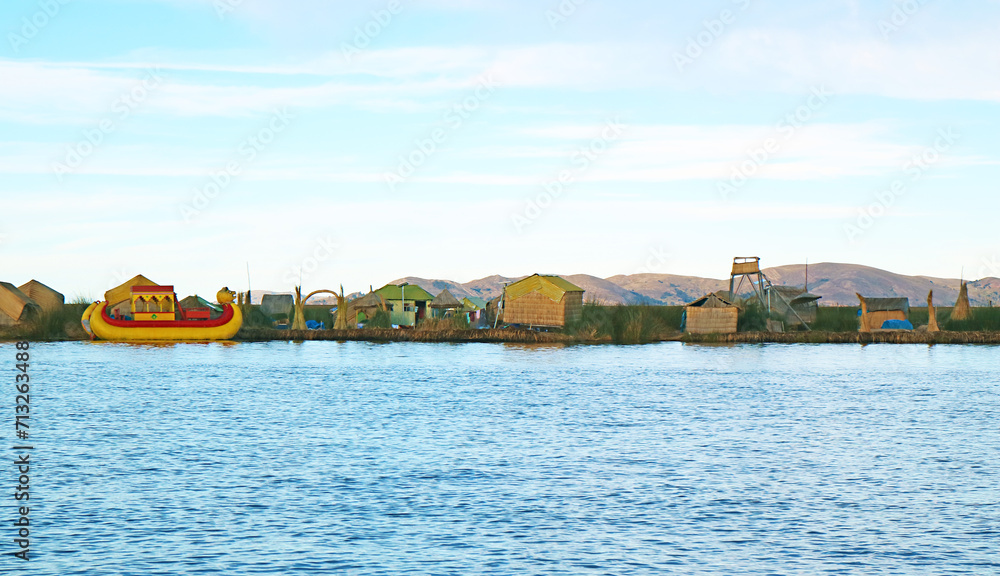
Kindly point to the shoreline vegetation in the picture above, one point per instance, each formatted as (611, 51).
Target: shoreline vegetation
(618, 324)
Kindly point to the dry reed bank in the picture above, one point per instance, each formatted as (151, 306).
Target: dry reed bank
(598, 325)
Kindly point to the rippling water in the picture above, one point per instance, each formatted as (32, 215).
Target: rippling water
(402, 458)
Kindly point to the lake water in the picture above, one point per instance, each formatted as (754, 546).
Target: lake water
(404, 458)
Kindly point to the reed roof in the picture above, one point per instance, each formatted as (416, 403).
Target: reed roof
(369, 300)
(445, 300)
(44, 296)
(711, 301)
(887, 304)
(552, 287)
(795, 295)
(124, 291)
(13, 302)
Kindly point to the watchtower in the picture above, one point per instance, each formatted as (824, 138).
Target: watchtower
(747, 269)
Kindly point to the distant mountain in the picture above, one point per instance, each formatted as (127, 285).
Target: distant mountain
(668, 289)
(836, 283)
(606, 291)
(485, 288)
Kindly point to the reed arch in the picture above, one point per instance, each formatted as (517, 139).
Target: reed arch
(299, 321)
(315, 292)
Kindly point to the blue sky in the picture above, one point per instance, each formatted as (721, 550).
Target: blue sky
(356, 142)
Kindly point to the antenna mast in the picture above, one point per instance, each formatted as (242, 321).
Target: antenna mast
(248, 284)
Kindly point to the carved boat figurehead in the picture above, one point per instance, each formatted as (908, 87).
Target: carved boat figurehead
(226, 296)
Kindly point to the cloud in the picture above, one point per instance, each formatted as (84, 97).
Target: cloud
(940, 68)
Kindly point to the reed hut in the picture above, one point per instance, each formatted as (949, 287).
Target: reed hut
(16, 306)
(444, 304)
(793, 305)
(119, 298)
(875, 312)
(543, 301)
(359, 310)
(44, 296)
(711, 315)
(962, 310)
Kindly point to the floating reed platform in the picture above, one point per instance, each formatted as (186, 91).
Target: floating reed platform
(390, 335)
(878, 337)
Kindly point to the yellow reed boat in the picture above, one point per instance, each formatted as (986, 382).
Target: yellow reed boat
(155, 314)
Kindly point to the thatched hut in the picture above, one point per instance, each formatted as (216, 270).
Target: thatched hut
(443, 304)
(360, 310)
(44, 296)
(543, 301)
(875, 312)
(793, 305)
(711, 315)
(16, 306)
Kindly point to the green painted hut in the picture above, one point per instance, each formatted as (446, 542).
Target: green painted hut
(407, 303)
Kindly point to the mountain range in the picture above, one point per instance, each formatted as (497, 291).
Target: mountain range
(836, 283)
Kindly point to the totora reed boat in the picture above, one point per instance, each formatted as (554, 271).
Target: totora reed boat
(153, 313)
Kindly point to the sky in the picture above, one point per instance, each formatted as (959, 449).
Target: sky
(335, 143)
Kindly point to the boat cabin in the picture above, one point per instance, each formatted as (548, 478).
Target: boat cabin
(153, 303)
